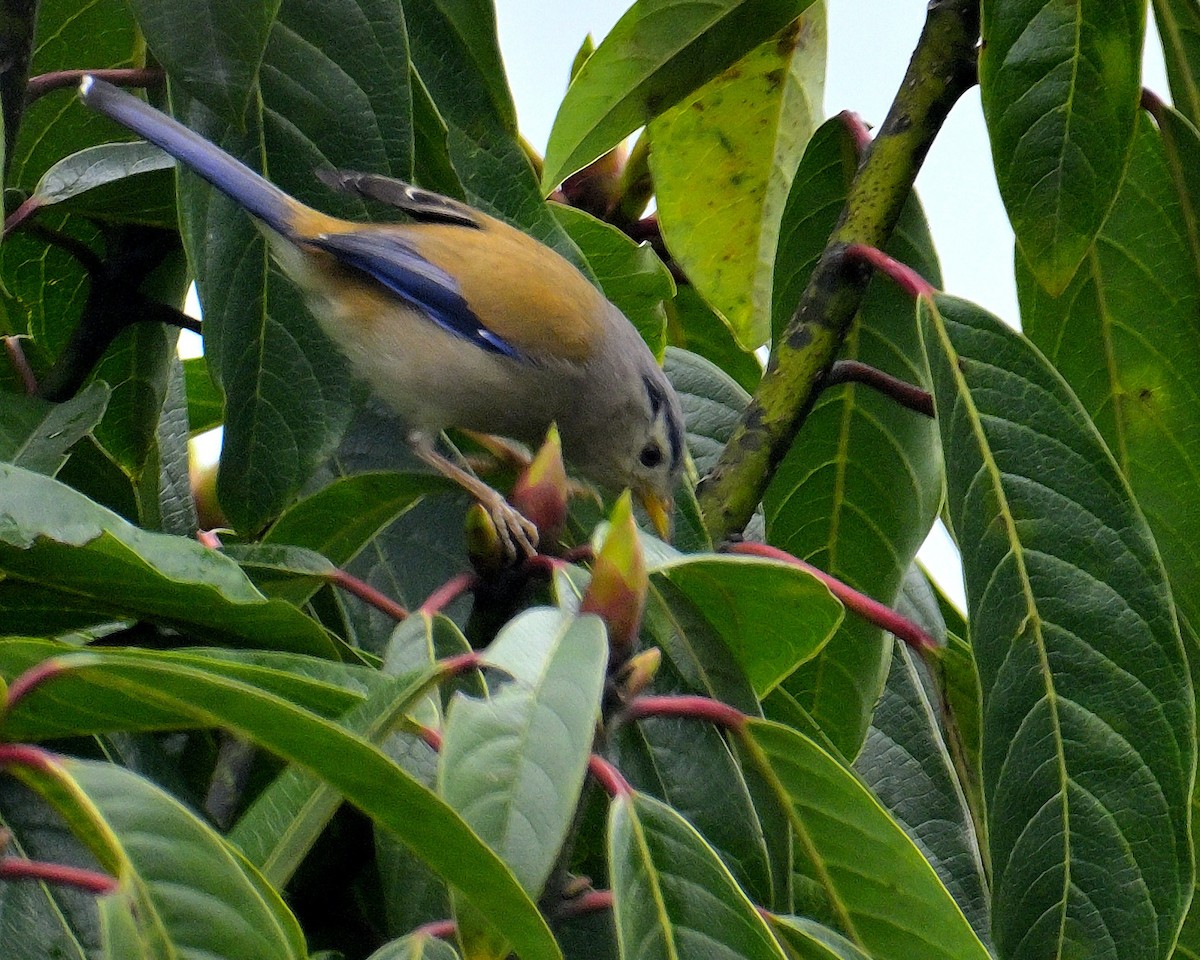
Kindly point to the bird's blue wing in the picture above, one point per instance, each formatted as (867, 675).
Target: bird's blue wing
(414, 279)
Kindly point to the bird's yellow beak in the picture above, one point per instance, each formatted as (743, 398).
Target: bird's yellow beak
(659, 510)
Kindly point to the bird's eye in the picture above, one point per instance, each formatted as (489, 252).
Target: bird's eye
(650, 457)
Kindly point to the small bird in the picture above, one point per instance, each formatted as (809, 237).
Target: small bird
(458, 320)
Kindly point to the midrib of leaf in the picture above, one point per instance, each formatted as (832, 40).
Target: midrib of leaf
(767, 770)
(1110, 358)
(1168, 29)
(635, 822)
(1033, 620)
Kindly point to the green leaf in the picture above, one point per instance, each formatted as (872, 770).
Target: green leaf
(206, 406)
(513, 764)
(417, 946)
(737, 143)
(334, 92)
(285, 820)
(1145, 396)
(672, 896)
(38, 436)
(771, 616)
(805, 939)
(75, 704)
(212, 48)
(39, 920)
(95, 181)
(202, 900)
(344, 516)
(906, 763)
(364, 775)
(630, 274)
(1179, 28)
(893, 906)
(658, 53)
(1060, 85)
(691, 768)
(859, 489)
(1087, 777)
(54, 538)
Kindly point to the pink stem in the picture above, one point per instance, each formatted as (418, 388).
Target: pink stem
(693, 707)
(16, 356)
(901, 274)
(858, 603)
(368, 594)
(904, 393)
(448, 592)
(31, 679)
(15, 868)
(609, 777)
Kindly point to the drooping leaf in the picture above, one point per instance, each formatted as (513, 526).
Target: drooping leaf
(202, 900)
(658, 53)
(38, 436)
(672, 896)
(735, 146)
(892, 905)
(93, 182)
(54, 539)
(364, 775)
(1060, 85)
(1087, 782)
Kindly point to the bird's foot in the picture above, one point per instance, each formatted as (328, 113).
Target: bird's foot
(517, 533)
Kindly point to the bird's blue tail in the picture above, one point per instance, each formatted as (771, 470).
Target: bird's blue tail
(232, 177)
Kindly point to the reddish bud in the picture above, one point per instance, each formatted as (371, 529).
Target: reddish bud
(617, 592)
(542, 489)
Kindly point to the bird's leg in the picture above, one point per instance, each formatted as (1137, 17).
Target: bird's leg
(514, 529)
(518, 458)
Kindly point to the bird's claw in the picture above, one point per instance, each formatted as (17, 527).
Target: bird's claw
(517, 534)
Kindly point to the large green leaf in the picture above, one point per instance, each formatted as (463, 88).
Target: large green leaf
(1088, 710)
(862, 869)
(1137, 370)
(658, 53)
(364, 775)
(513, 763)
(1060, 85)
(334, 91)
(672, 896)
(55, 541)
(79, 705)
(858, 491)
(202, 901)
(93, 182)
(737, 143)
(771, 616)
(213, 48)
(906, 763)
